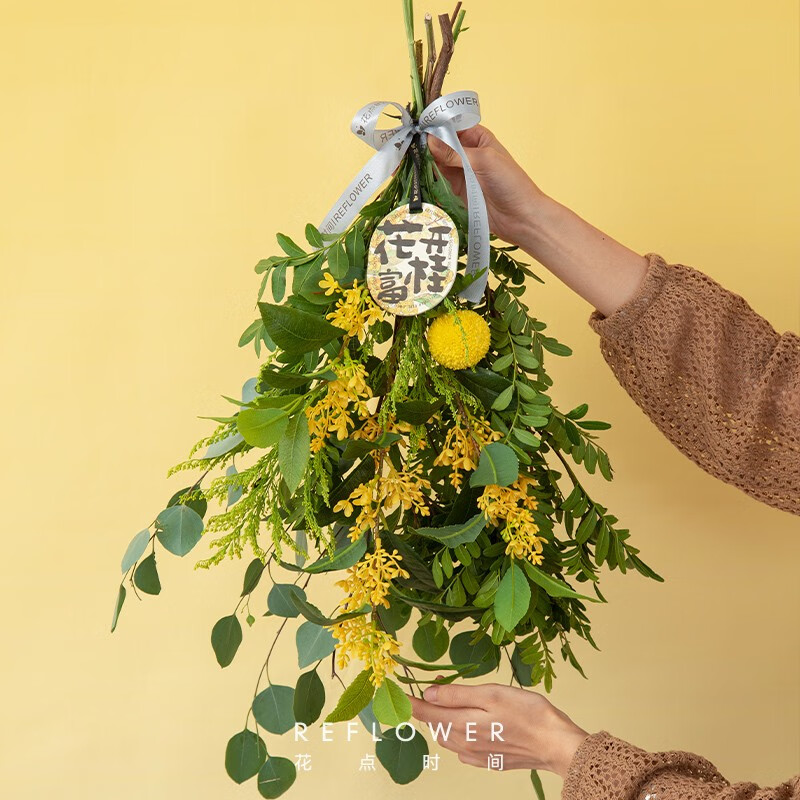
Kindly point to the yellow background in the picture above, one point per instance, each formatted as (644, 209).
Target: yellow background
(149, 153)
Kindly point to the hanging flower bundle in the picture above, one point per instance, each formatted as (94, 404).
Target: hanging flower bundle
(400, 439)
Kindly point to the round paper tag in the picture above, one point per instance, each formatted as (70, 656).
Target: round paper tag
(413, 259)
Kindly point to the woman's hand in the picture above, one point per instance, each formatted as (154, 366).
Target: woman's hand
(536, 735)
(511, 196)
(601, 270)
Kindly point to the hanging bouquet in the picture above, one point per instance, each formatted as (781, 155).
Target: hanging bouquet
(400, 436)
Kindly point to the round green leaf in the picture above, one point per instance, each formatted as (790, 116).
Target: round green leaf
(146, 576)
(390, 704)
(244, 755)
(198, 504)
(279, 599)
(512, 597)
(274, 708)
(498, 465)
(402, 759)
(309, 697)
(135, 549)
(313, 643)
(394, 617)
(276, 776)
(179, 529)
(226, 636)
(483, 653)
(429, 644)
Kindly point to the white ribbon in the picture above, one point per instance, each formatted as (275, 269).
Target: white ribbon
(449, 113)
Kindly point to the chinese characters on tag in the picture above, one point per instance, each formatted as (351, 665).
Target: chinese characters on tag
(413, 259)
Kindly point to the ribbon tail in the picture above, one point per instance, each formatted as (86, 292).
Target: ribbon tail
(366, 183)
(478, 218)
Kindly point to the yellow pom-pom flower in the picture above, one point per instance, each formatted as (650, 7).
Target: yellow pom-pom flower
(459, 340)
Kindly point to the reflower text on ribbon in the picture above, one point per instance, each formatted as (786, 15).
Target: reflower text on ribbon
(455, 111)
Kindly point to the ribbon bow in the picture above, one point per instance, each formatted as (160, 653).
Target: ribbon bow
(441, 118)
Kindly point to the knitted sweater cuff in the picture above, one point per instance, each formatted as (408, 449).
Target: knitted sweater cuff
(625, 317)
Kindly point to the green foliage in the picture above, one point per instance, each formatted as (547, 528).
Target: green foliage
(293, 463)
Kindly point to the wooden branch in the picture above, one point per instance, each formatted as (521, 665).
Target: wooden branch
(443, 61)
(418, 57)
(455, 14)
(426, 84)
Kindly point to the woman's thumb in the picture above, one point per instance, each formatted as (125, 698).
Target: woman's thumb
(444, 154)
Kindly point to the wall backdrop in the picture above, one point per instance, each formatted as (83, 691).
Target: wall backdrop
(149, 152)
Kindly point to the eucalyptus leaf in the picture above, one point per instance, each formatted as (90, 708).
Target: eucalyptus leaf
(276, 776)
(309, 697)
(402, 758)
(244, 755)
(226, 636)
(273, 708)
(179, 529)
(145, 576)
(135, 549)
(314, 642)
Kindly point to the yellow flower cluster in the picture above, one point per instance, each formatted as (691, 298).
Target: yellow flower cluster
(382, 493)
(332, 413)
(355, 311)
(462, 446)
(361, 638)
(514, 505)
(368, 582)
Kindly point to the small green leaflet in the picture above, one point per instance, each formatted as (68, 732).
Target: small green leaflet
(294, 450)
(551, 585)
(453, 535)
(512, 597)
(354, 698)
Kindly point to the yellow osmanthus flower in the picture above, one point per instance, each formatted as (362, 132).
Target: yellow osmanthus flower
(459, 340)
(382, 494)
(348, 393)
(355, 310)
(373, 428)
(368, 581)
(514, 506)
(462, 445)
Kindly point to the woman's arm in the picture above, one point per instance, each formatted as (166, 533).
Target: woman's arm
(607, 768)
(714, 376)
(537, 735)
(598, 268)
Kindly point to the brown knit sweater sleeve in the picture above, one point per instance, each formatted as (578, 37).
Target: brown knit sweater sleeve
(607, 768)
(718, 381)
